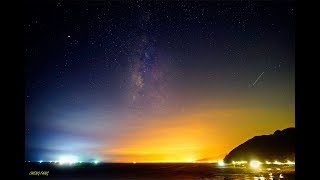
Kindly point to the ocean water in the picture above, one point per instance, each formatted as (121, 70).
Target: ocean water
(158, 171)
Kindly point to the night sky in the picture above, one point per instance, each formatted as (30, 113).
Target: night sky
(155, 81)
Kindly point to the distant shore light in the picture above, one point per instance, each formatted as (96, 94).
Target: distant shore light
(255, 164)
(221, 163)
(67, 159)
(290, 162)
(267, 162)
(277, 162)
(239, 162)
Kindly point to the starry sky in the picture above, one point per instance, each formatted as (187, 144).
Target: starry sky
(157, 81)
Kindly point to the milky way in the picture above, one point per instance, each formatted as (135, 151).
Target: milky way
(147, 76)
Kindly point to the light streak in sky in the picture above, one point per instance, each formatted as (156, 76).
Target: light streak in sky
(258, 79)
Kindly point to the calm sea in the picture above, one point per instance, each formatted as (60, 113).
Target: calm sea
(157, 171)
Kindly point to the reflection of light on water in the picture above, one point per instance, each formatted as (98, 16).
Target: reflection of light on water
(271, 177)
(269, 173)
(259, 178)
(281, 176)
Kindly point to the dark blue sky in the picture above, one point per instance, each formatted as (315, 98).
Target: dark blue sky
(95, 70)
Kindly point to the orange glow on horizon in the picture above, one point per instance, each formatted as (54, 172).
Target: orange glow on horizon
(192, 136)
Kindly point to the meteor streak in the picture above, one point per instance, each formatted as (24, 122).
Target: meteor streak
(258, 79)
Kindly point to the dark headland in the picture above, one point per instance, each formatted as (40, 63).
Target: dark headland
(279, 146)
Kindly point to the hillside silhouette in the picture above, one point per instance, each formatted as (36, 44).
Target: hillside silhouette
(278, 146)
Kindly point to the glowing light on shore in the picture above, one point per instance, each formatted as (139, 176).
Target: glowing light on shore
(290, 162)
(277, 163)
(68, 159)
(255, 164)
(190, 159)
(221, 163)
(239, 162)
(280, 163)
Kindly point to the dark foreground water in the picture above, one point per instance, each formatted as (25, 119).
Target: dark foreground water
(150, 171)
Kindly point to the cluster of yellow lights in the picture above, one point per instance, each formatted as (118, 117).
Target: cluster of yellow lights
(280, 163)
(267, 162)
(239, 162)
(256, 164)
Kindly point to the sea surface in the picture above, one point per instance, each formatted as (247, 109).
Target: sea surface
(157, 171)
